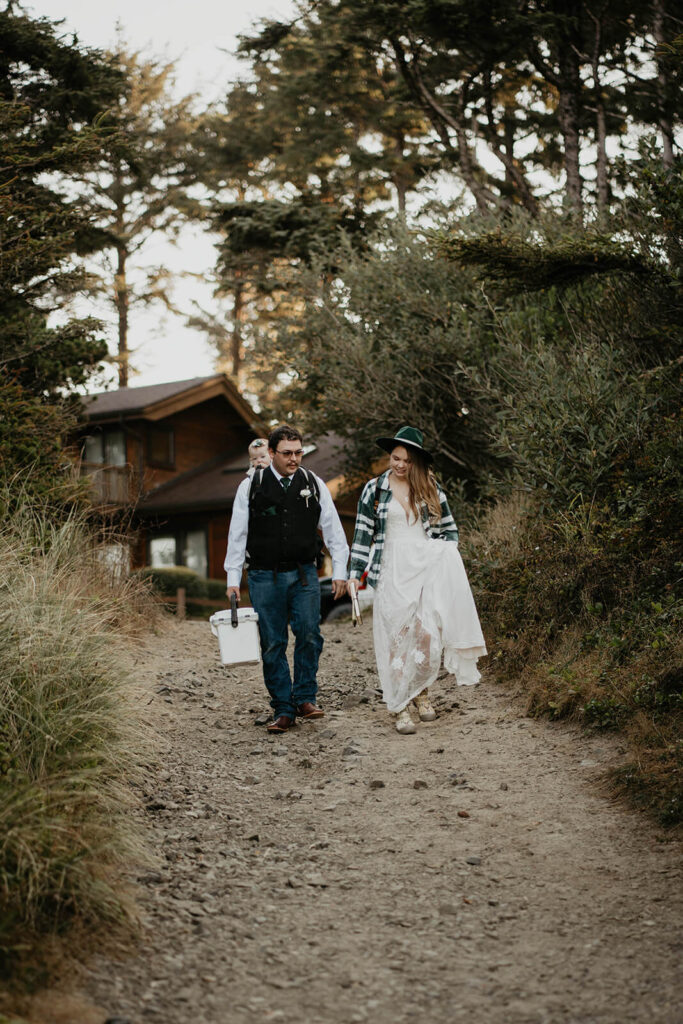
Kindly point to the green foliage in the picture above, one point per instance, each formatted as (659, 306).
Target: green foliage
(272, 229)
(589, 609)
(215, 589)
(33, 434)
(349, 105)
(568, 415)
(68, 734)
(167, 581)
(471, 78)
(584, 376)
(139, 185)
(385, 345)
(573, 400)
(52, 94)
(512, 260)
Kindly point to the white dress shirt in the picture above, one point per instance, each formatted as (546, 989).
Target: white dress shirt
(329, 523)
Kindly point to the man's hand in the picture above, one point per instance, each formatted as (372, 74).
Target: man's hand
(338, 588)
(233, 590)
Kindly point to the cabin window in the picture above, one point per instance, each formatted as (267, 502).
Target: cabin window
(106, 448)
(162, 552)
(186, 547)
(161, 447)
(194, 551)
(116, 559)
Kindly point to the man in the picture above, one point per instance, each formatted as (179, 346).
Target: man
(274, 524)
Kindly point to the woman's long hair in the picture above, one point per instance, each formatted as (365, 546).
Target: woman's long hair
(422, 484)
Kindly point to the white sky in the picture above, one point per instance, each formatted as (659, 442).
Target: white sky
(197, 33)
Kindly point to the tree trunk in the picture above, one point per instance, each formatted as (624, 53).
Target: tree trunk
(121, 298)
(505, 153)
(568, 110)
(565, 77)
(398, 180)
(467, 165)
(442, 121)
(665, 121)
(600, 118)
(236, 340)
(509, 136)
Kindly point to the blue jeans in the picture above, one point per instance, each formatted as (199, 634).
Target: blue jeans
(281, 600)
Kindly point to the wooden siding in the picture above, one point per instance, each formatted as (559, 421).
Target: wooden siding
(200, 434)
(218, 543)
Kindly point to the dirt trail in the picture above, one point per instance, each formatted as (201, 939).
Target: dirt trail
(471, 872)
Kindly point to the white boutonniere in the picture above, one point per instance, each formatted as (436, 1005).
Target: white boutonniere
(306, 493)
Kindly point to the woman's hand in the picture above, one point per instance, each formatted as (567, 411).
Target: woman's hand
(338, 589)
(233, 590)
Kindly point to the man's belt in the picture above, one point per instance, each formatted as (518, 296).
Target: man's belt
(281, 566)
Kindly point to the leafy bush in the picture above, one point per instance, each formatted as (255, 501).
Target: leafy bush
(566, 414)
(215, 589)
(587, 610)
(33, 434)
(69, 736)
(168, 581)
(584, 602)
(382, 346)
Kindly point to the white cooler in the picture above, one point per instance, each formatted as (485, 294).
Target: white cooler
(239, 644)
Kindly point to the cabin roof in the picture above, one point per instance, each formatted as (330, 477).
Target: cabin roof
(214, 484)
(156, 401)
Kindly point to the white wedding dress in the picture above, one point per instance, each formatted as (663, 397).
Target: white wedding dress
(423, 610)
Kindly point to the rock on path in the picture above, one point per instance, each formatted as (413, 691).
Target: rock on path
(471, 872)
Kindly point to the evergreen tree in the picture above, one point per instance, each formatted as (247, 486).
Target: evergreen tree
(53, 101)
(320, 139)
(140, 187)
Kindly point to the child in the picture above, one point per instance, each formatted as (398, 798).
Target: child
(258, 455)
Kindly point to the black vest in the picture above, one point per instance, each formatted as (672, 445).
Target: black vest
(283, 525)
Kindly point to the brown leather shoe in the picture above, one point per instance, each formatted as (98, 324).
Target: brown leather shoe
(309, 710)
(281, 724)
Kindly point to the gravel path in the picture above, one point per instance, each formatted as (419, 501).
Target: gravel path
(471, 872)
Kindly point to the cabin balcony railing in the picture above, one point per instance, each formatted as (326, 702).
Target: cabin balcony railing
(110, 485)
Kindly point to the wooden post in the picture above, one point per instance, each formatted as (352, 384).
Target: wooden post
(180, 602)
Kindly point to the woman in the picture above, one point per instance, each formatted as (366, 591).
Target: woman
(406, 538)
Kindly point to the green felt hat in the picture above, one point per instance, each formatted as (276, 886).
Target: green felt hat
(410, 437)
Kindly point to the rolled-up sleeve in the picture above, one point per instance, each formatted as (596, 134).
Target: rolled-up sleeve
(333, 532)
(237, 535)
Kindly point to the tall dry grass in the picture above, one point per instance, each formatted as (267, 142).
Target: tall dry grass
(70, 734)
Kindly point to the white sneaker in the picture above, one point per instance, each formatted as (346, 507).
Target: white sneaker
(404, 723)
(424, 707)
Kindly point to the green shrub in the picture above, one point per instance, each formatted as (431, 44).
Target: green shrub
(168, 581)
(585, 610)
(33, 433)
(215, 589)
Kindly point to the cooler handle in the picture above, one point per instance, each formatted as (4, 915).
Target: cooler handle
(234, 621)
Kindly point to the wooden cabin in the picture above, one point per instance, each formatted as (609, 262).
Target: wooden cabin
(174, 455)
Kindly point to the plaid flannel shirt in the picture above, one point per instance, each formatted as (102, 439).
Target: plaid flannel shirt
(371, 527)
